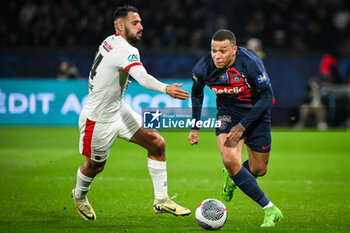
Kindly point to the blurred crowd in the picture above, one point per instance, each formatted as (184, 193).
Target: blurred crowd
(176, 24)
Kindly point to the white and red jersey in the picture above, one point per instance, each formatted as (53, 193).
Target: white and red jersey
(108, 78)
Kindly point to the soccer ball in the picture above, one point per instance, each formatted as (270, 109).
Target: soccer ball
(211, 214)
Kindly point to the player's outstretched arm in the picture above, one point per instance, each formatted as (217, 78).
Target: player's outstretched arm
(140, 74)
(174, 91)
(193, 137)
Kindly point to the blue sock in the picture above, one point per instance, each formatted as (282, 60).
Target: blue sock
(246, 165)
(247, 183)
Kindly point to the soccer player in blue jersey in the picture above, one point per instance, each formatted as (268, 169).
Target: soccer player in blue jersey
(244, 98)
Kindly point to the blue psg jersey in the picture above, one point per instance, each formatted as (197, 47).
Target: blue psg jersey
(238, 87)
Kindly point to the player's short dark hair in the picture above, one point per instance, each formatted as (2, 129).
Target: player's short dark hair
(224, 34)
(122, 11)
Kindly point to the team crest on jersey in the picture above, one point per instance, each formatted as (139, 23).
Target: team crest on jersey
(223, 77)
(236, 77)
(133, 57)
(225, 120)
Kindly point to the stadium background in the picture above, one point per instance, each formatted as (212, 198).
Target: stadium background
(37, 36)
(38, 163)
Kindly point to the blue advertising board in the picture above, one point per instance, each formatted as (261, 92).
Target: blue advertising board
(54, 102)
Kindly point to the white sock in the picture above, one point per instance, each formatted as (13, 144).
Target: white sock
(83, 185)
(268, 205)
(157, 170)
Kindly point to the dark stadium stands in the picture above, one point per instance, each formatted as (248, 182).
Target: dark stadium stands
(280, 24)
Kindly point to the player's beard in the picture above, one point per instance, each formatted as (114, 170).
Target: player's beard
(132, 38)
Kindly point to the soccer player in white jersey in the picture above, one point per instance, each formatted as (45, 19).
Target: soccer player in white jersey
(106, 116)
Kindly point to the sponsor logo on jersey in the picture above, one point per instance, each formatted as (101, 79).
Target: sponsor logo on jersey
(261, 78)
(133, 57)
(223, 77)
(227, 90)
(98, 153)
(107, 46)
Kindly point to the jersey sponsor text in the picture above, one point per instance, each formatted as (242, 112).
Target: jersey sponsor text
(227, 90)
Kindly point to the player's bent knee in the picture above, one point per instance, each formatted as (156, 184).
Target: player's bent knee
(100, 168)
(158, 145)
(231, 163)
(260, 171)
(96, 167)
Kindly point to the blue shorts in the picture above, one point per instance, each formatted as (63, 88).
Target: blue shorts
(257, 136)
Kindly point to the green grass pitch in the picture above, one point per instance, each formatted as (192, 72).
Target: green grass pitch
(308, 179)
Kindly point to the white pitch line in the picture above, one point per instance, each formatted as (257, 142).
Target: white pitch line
(186, 180)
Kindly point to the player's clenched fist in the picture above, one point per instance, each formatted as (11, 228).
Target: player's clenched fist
(193, 137)
(174, 91)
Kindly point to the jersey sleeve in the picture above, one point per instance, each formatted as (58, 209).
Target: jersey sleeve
(261, 85)
(257, 75)
(128, 57)
(197, 93)
(264, 102)
(140, 74)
